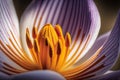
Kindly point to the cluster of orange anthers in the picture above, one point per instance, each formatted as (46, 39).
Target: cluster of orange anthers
(49, 48)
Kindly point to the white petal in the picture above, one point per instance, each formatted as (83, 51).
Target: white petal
(98, 43)
(9, 21)
(9, 36)
(9, 27)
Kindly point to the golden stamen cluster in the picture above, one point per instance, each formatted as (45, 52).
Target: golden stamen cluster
(49, 48)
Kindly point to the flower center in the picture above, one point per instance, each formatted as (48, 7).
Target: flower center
(49, 48)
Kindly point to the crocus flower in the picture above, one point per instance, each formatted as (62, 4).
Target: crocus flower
(59, 36)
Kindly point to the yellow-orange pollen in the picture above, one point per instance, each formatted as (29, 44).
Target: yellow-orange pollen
(49, 48)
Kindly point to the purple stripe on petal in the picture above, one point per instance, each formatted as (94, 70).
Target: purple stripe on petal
(106, 58)
(87, 26)
(9, 26)
(9, 20)
(115, 75)
(10, 45)
(98, 43)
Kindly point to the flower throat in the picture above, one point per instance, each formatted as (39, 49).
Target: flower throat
(49, 48)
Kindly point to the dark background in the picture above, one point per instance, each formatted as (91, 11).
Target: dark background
(108, 11)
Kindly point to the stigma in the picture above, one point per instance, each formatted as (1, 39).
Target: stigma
(48, 47)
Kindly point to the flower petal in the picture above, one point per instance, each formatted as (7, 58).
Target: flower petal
(98, 43)
(115, 75)
(79, 17)
(86, 30)
(9, 27)
(38, 75)
(11, 52)
(9, 22)
(4, 76)
(103, 59)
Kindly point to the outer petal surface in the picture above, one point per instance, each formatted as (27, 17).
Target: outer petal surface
(4, 76)
(102, 60)
(115, 75)
(11, 51)
(98, 43)
(9, 29)
(38, 75)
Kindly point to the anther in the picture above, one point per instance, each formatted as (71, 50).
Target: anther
(34, 32)
(50, 52)
(67, 40)
(28, 40)
(58, 48)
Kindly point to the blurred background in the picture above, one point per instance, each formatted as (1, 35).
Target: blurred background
(108, 11)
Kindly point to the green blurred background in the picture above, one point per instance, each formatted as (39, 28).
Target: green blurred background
(108, 11)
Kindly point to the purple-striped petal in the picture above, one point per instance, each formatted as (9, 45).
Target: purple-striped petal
(105, 57)
(9, 29)
(108, 55)
(115, 75)
(98, 43)
(9, 22)
(11, 51)
(110, 50)
(79, 17)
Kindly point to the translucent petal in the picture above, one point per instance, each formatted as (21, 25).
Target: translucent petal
(114, 75)
(102, 60)
(9, 22)
(9, 28)
(11, 51)
(98, 43)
